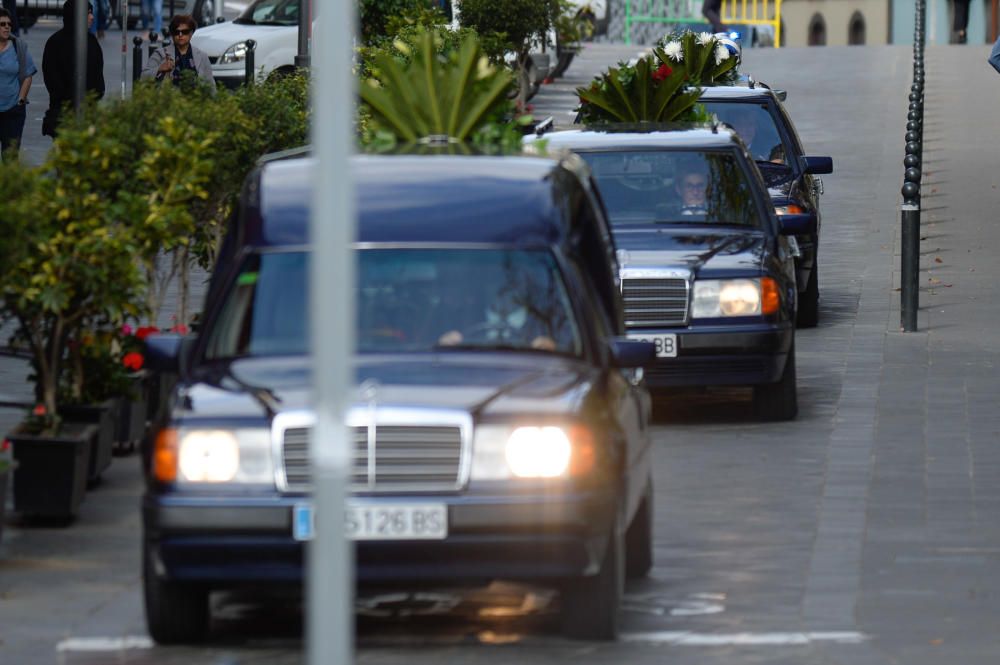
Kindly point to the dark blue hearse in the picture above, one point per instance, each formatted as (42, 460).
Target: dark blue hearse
(500, 426)
(706, 269)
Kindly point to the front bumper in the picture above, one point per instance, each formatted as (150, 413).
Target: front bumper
(224, 541)
(723, 356)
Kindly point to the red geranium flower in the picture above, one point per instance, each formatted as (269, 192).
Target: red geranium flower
(145, 331)
(662, 72)
(180, 329)
(133, 361)
(39, 410)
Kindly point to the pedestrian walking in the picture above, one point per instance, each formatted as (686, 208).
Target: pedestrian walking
(711, 10)
(960, 21)
(59, 66)
(16, 70)
(175, 59)
(152, 9)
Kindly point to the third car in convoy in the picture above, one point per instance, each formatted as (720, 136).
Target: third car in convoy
(757, 115)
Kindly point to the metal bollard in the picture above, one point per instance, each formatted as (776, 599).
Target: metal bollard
(249, 74)
(910, 257)
(153, 37)
(136, 58)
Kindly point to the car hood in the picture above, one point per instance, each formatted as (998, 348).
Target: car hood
(215, 39)
(483, 384)
(704, 250)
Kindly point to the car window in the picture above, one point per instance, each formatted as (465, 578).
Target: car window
(756, 126)
(271, 12)
(408, 300)
(682, 186)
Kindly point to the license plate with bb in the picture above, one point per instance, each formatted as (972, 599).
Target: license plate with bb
(666, 344)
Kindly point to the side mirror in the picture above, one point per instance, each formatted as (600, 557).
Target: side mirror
(782, 95)
(818, 165)
(797, 224)
(221, 19)
(169, 353)
(632, 353)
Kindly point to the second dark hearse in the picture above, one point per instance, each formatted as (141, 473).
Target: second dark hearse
(706, 268)
(500, 424)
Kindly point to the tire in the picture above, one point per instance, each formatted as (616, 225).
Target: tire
(779, 400)
(639, 538)
(590, 605)
(808, 313)
(175, 613)
(203, 13)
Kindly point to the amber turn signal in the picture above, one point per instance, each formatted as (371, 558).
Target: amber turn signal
(770, 296)
(165, 456)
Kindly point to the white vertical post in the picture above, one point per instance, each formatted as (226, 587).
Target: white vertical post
(123, 12)
(330, 558)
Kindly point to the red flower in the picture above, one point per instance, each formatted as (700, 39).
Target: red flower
(5, 446)
(662, 72)
(145, 331)
(133, 360)
(180, 329)
(39, 410)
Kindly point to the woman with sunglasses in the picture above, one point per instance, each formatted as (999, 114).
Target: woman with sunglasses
(173, 60)
(16, 70)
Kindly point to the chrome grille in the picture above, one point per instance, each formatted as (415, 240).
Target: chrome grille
(651, 302)
(405, 458)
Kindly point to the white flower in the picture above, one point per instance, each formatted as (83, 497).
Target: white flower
(674, 51)
(704, 38)
(721, 54)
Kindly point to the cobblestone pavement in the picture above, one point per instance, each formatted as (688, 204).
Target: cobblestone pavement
(862, 533)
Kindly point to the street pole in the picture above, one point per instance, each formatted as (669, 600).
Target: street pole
(80, 43)
(218, 10)
(124, 14)
(330, 558)
(305, 27)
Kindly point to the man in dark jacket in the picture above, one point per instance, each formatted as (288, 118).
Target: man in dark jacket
(59, 66)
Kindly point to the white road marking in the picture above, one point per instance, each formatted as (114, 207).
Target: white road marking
(689, 639)
(105, 643)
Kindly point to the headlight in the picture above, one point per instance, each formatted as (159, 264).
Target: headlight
(234, 53)
(501, 452)
(715, 298)
(214, 456)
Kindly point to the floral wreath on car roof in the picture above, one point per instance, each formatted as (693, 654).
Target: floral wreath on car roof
(662, 86)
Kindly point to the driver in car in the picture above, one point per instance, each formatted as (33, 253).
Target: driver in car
(692, 188)
(499, 326)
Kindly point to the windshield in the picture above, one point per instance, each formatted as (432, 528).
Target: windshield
(407, 300)
(270, 12)
(756, 126)
(680, 186)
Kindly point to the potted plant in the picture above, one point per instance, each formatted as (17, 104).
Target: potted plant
(663, 86)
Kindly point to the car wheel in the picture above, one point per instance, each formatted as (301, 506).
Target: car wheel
(175, 613)
(590, 605)
(639, 538)
(808, 314)
(778, 401)
(203, 13)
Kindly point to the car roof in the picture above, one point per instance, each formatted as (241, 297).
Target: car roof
(642, 136)
(424, 198)
(737, 93)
